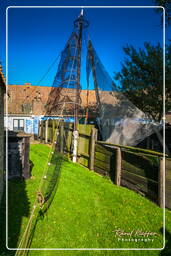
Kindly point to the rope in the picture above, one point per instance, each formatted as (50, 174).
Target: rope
(70, 75)
(26, 230)
(50, 67)
(24, 238)
(40, 200)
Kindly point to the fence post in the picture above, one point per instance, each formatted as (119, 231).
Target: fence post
(61, 138)
(46, 131)
(93, 139)
(160, 183)
(53, 129)
(118, 162)
(39, 131)
(42, 131)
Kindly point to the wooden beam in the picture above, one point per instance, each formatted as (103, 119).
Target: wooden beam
(61, 138)
(118, 162)
(161, 182)
(93, 139)
(46, 131)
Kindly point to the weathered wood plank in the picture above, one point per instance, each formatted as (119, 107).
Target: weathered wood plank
(104, 150)
(118, 167)
(85, 129)
(141, 165)
(102, 165)
(161, 183)
(141, 184)
(83, 143)
(84, 161)
(83, 154)
(168, 183)
(50, 134)
(102, 157)
(101, 171)
(92, 148)
(132, 149)
(61, 138)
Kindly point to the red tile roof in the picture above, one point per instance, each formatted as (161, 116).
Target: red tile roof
(28, 99)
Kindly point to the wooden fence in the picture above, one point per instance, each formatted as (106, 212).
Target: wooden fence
(138, 169)
(65, 138)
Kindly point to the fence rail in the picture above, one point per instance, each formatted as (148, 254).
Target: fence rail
(138, 169)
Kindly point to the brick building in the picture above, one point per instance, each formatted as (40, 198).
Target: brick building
(27, 104)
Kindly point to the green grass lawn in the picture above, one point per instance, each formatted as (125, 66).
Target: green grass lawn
(85, 213)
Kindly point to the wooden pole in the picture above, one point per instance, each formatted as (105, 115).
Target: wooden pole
(39, 132)
(161, 183)
(61, 138)
(53, 129)
(93, 139)
(46, 131)
(160, 138)
(118, 166)
(42, 131)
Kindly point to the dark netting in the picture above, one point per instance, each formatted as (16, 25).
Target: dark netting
(65, 93)
(66, 75)
(103, 79)
(119, 120)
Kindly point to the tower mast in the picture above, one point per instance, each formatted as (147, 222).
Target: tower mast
(79, 24)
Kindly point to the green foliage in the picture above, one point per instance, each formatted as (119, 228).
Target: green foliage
(141, 78)
(167, 5)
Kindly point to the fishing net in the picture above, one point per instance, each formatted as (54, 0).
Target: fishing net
(45, 195)
(119, 120)
(65, 93)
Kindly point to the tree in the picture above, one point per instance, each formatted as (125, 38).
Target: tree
(167, 5)
(141, 78)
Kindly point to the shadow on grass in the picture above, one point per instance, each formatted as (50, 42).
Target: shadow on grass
(18, 207)
(167, 250)
(31, 166)
(49, 189)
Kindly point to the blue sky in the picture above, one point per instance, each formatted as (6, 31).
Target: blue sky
(37, 36)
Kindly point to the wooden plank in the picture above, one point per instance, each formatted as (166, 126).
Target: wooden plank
(92, 148)
(83, 144)
(53, 129)
(41, 137)
(118, 166)
(141, 184)
(148, 173)
(50, 134)
(168, 163)
(161, 183)
(39, 130)
(141, 165)
(50, 122)
(84, 155)
(104, 150)
(61, 138)
(68, 141)
(84, 161)
(130, 185)
(102, 157)
(85, 129)
(168, 183)
(68, 126)
(102, 165)
(132, 149)
(101, 171)
(84, 135)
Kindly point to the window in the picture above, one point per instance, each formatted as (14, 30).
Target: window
(18, 124)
